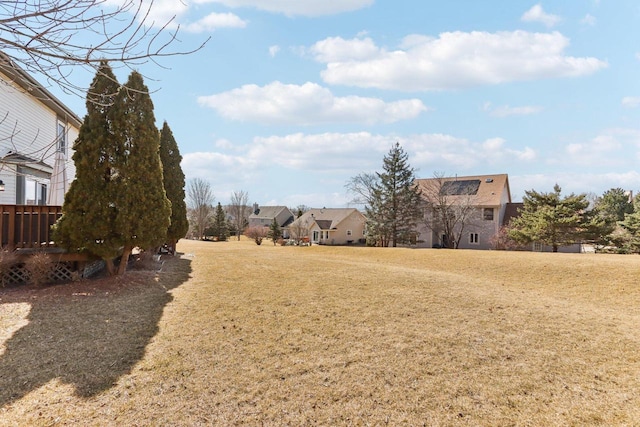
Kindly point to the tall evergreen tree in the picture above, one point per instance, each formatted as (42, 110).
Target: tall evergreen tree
(88, 221)
(395, 206)
(550, 219)
(174, 184)
(219, 228)
(143, 211)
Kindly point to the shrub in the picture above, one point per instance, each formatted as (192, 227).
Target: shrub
(256, 233)
(39, 268)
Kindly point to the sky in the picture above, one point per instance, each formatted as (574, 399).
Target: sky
(289, 99)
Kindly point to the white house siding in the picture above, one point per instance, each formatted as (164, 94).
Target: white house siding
(29, 127)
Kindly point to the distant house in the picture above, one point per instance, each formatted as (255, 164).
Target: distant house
(513, 211)
(330, 226)
(36, 133)
(485, 196)
(264, 215)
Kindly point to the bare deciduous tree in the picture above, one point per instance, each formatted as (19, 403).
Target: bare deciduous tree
(200, 201)
(450, 209)
(52, 37)
(299, 230)
(239, 210)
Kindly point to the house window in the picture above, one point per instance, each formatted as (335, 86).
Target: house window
(474, 239)
(349, 233)
(488, 214)
(537, 247)
(30, 189)
(61, 137)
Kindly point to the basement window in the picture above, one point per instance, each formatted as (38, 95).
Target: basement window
(474, 239)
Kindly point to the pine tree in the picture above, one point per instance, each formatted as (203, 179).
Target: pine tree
(219, 228)
(174, 184)
(88, 221)
(395, 208)
(550, 219)
(274, 231)
(143, 211)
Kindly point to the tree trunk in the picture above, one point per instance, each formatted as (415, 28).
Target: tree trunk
(555, 247)
(111, 269)
(124, 260)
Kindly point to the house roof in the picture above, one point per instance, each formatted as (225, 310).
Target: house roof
(326, 218)
(268, 212)
(485, 190)
(17, 75)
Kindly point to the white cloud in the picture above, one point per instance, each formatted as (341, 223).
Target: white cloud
(232, 169)
(572, 182)
(213, 21)
(506, 110)
(588, 20)
(327, 152)
(297, 7)
(307, 104)
(273, 50)
(351, 153)
(451, 61)
(631, 101)
(337, 49)
(611, 148)
(537, 14)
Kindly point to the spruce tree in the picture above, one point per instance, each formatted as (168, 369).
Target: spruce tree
(174, 184)
(395, 207)
(143, 211)
(88, 221)
(220, 231)
(275, 232)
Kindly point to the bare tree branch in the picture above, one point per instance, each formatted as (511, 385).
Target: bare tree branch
(53, 37)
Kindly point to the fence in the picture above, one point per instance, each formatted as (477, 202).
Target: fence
(27, 226)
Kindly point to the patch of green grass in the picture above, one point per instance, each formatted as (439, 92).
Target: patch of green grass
(239, 334)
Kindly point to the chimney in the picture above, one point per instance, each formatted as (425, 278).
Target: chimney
(256, 209)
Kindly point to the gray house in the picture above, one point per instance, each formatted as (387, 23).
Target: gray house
(262, 216)
(482, 198)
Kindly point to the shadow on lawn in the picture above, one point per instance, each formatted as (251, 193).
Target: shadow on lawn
(86, 334)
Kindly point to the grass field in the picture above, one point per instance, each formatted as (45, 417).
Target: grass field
(238, 334)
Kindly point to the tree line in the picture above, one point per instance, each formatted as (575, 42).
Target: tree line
(129, 187)
(394, 205)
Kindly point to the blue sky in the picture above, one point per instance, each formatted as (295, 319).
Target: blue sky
(291, 98)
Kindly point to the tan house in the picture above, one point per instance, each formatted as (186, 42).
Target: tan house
(330, 226)
(478, 201)
(36, 133)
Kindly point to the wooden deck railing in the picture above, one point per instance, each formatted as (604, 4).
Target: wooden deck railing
(27, 226)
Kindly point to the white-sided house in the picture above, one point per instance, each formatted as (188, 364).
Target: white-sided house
(36, 134)
(485, 197)
(331, 226)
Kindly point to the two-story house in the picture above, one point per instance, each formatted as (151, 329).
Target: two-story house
(36, 134)
(479, 202)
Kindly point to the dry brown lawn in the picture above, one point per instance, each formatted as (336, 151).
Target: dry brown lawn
(238, 334)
